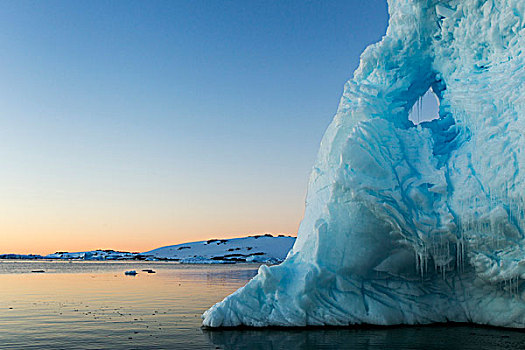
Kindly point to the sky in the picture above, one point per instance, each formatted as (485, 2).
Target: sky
(131, 125)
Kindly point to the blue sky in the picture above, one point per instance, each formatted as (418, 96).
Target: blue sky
(133, 124)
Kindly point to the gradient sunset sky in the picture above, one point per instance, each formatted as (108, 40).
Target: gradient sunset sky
(132, 125)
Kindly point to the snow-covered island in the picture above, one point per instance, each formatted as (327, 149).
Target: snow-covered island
(99, 254)
(258, 249)
(21, 256)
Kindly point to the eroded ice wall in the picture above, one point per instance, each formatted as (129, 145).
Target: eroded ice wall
(413, 224)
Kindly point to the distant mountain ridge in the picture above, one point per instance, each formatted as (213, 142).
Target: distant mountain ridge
(259, 249)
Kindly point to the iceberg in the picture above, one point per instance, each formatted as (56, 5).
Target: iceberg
(405, 223)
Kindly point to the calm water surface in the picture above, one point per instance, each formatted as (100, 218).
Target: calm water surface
(93, 305)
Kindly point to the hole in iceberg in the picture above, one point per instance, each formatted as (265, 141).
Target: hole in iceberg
(425, 109)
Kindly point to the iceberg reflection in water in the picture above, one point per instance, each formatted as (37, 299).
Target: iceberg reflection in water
(425, 337)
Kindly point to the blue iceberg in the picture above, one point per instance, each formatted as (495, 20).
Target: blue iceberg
(405, 223)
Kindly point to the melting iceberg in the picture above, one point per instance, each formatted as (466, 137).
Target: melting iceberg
(405, 223)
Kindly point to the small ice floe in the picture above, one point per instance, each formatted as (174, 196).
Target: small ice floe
(130, 273)
(37, 271)
(149, 271)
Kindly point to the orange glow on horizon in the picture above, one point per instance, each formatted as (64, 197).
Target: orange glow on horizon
(44, 225)
(30, 240)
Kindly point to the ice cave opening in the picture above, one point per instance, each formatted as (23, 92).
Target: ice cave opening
(425, 109)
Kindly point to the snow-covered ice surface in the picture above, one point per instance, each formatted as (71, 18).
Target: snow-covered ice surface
(410, 224)
(259, 249)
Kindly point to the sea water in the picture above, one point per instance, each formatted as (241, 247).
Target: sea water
(93, 305)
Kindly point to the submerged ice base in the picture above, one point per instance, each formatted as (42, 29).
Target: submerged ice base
(409, 224)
